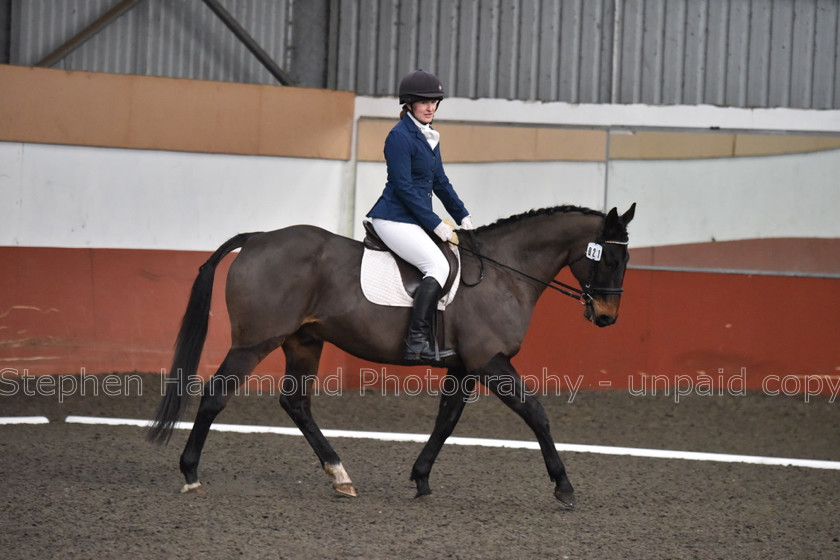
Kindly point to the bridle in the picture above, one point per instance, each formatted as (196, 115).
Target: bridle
(593, 253)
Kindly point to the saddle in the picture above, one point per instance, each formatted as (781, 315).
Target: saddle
(410, 274)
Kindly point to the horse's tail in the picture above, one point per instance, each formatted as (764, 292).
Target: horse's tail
(190, 343)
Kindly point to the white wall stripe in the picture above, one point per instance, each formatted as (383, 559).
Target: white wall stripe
(24, 420)
(483, 442)
(80, 197)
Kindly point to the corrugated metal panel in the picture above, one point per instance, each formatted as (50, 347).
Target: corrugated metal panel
(825, 67)
(185, 39)
(5, 30)
(40, 26)
(742, 53)
(747, 53)
(516, 49)
(176, 38)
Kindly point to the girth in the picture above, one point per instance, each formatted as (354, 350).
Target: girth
(410, 274)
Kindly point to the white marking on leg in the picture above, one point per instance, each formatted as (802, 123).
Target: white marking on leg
(337, 474)
(187, 487)
(341, 482)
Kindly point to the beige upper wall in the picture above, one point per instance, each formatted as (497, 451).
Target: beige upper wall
(116, 110)
(467, 143)
(487, 143)
(696, 145)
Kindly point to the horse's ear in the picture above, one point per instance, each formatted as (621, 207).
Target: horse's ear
(615, 224)
(611, 225)
(625, 219)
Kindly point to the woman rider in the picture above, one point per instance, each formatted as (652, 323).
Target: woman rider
(403, 215)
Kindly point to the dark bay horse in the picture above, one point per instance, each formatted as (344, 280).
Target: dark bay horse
(300, 286)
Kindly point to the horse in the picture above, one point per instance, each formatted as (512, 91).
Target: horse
(299, 287)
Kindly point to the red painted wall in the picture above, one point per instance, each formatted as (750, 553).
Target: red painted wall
(104, 310)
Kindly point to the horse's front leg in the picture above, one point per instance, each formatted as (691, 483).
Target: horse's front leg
(455, 391)
(502, 379)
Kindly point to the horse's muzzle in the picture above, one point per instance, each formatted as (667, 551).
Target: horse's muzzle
(604, 320)
(600, 313)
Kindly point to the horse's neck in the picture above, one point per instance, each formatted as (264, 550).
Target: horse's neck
(543, 245)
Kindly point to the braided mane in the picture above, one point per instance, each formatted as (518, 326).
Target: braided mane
(564, 209)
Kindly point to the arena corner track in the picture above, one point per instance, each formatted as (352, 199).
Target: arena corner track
(298, 287)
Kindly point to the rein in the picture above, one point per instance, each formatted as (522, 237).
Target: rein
(583, 296)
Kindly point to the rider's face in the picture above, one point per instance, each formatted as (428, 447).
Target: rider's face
(424, 111)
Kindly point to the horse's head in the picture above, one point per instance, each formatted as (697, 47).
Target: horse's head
(600, 270)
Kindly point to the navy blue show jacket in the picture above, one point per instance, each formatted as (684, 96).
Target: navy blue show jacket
(415, 171)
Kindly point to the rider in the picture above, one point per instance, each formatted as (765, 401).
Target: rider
(403, 215)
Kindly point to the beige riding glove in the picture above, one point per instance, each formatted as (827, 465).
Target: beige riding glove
(445, 232)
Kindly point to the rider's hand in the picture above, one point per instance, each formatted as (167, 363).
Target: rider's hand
(466, 223)
(443, 231)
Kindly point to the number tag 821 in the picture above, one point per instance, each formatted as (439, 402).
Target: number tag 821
(593, 252)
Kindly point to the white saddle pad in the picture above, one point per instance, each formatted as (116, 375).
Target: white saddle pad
(382, 284)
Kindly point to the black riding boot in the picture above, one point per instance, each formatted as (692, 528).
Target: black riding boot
(419, 343)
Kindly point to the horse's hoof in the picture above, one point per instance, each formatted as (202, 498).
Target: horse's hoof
(195, 487)
(566, 498)
(423, 495)
(423, 488)
(345, 489)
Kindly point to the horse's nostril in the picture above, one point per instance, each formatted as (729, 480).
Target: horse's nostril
(604, 320)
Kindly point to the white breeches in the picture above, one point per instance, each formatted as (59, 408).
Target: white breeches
(413, 245)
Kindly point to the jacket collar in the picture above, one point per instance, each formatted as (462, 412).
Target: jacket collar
(409, 123)
(418, 124)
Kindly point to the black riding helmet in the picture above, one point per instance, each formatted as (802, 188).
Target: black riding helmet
(419, 86)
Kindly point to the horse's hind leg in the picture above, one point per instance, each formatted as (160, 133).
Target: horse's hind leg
(501, 378)
(455, 392)
(238, 364)
(303, 352)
